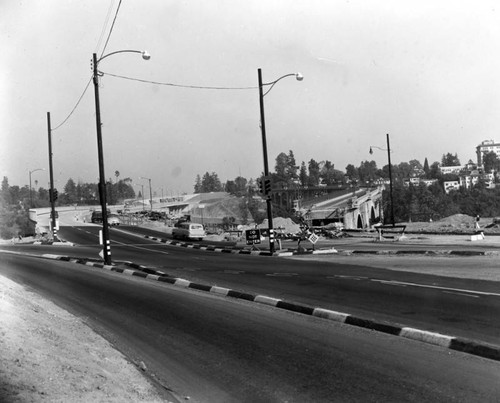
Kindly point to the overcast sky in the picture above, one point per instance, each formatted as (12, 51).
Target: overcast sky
(426, 72)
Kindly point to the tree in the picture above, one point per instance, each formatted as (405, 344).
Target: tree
(281, 166)
(491, 162)
(6, 199)
(417, 170)
(314, 173)
(331, 175)
(367, 171)
(426, 168)
(434, 171)
(210, 183)
(450, 160)
(70, 195)
(197, 184)
(117, 174)
(351, 172)
(291, 167)
(303, 177)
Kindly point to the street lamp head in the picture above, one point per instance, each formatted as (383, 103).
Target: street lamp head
(299, 76)
(145, 55)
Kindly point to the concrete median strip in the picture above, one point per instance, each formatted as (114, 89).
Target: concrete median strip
(427, 337)
(473, 347)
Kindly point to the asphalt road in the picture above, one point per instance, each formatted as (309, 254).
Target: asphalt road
(454, 306)
(216, 349)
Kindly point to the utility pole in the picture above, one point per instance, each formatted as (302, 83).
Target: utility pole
(390, 180)
(266, 164)
(102, 178)
(51, 192)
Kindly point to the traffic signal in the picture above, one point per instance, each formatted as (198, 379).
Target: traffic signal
(261, 186)
(53, 195)
(267, 186)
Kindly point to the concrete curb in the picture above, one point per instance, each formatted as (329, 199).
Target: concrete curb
(213, 248)
(450, 342)
(332, 250)
(445, 252)
(54, 243)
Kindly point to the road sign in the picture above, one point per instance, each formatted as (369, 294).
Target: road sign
(252, 236)
(313, 238)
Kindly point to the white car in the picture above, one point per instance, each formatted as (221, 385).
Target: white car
(187, 230)
(113, 219)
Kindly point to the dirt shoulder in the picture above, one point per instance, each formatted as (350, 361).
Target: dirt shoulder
(50, 355)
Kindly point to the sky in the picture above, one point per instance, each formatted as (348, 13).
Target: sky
(425, 72)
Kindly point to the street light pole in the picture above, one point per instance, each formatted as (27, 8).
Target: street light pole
(150, 193)
(390, 179)
(393, 222)
(102, 177)
(266, 164)
(299, 77)
(34, 170)
(51, 176)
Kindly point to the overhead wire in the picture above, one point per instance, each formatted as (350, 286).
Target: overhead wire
(106, 21)
(98, 44)
(111, 29)
(200, 87)
(76, 105)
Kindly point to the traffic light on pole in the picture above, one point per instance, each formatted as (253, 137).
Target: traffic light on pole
(261, 186)
(53, 195)
(267, 186)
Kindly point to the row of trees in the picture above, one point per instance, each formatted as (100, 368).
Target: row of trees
(413, 202)
(73, 193)
(422, 203)
(288, 174)
(15, 201)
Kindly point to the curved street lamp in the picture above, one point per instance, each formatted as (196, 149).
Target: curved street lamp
(34, 170)
(102, 177)
(390, 175)
(299, 77)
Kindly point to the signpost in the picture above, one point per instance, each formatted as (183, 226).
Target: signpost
(313, 238)
(252, 236)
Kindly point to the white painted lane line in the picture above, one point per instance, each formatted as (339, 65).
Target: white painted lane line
(461, 294)
(348, 277)
(493, 294)
(389, 282)
(282, 274)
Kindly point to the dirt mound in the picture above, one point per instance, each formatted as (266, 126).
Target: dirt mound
(458, 220)
(457, 223)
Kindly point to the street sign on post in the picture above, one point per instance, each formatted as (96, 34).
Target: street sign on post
(313, 238)
(252, 236)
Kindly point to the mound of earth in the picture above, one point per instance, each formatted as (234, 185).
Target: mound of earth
(462, 223)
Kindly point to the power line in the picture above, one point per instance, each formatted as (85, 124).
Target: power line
(111, 29)
(200, 87)
(74, 108)
(106, 20)
(106, 43)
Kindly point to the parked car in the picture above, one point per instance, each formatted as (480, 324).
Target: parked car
(188, 230)
(113, 219)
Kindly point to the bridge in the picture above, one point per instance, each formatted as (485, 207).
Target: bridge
(354, 209)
